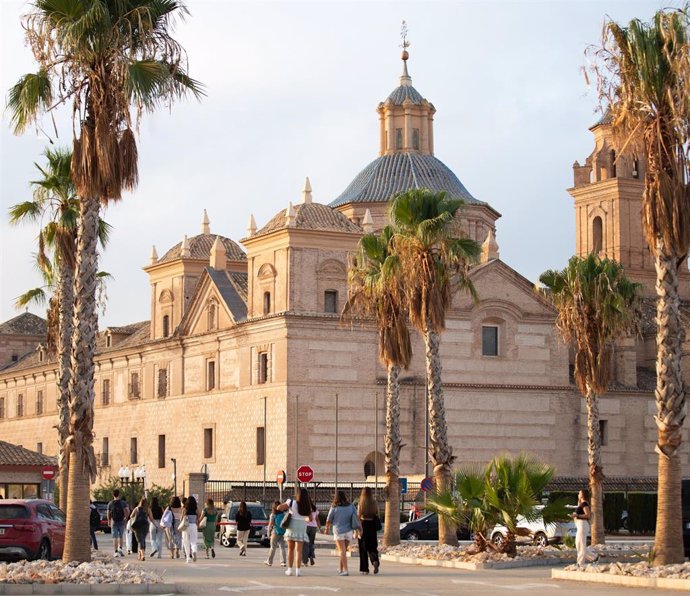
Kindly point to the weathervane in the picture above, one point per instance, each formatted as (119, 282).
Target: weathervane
(405, 44)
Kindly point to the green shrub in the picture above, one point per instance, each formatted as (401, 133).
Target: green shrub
(570, 497)
(642, 513)
(614, 505)
(132, 493)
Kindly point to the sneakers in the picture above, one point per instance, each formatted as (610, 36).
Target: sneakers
(267, 563)
(364, 572)
(297, 572)
(283, 564)
(153, 553)
(194, 557)
(343, 573)
(117, 554)
(119, 550)
(288, 571)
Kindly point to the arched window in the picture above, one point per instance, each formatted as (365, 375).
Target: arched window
(369, 468)
(597, 234)
(166, 326)
(267, 302)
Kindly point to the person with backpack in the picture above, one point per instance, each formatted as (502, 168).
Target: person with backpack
(117, 514)
(141, 518)
(277, 534)
(94, 524)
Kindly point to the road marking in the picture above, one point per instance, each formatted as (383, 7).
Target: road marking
(261, 586)
(515, 587)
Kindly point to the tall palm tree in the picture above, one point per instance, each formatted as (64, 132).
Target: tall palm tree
(112, 61)
(435, 264)
(644, 74)
(596, 306)
(375, 290)
(54, 198)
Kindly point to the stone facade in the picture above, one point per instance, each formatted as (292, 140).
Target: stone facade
(242, 340)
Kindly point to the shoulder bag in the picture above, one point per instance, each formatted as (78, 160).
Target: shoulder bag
(184, 524)
(285, 522)
(354, 520)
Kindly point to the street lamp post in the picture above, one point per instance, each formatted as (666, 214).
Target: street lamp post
(174, 476)
(132, 477)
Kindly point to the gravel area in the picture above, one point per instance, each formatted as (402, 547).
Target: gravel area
(640, 569)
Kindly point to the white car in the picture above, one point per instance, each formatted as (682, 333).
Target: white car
(540, 534)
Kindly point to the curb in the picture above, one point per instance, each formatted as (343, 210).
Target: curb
(476, 566)
(78, 589)
(630, 581)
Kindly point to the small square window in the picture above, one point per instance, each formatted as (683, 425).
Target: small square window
(39, 448)
(331, 301)
(489, 340)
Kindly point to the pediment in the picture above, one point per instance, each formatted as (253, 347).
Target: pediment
(332, 268)
(266, 271)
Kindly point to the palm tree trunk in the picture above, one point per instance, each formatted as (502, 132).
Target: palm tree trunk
(79, 444)
(391, 530)
(596, 472)
(65, 293)
(670, 406)
(441, 450)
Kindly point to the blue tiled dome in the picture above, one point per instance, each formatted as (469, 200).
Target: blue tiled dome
(400, 94)
(398, 172)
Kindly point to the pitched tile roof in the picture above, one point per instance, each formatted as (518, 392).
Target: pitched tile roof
(14, 455)
(311, 216)
(401, 171)
(229, 292)
(24, 324)
(200, 248)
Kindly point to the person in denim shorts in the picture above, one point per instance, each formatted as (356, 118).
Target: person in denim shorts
(118, 512)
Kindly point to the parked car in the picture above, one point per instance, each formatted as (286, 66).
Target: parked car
(31, 529)
(259, 526)
(102, 508)
(540, 533)
(426, 528)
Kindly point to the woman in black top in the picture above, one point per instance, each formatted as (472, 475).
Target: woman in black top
(244, 524)
(581, 516)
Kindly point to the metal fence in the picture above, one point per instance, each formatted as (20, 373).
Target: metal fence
(321, 493)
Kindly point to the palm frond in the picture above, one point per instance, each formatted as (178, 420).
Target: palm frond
(27, 98)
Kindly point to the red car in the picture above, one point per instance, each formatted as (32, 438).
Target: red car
(31, 529)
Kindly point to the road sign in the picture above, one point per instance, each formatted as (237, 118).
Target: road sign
(427, 484)
(403, 486)
(48, 472)
(281, 477)
(305, 474)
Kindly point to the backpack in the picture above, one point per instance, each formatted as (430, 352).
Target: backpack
(94, 519)
(276, 523)
(118, 511)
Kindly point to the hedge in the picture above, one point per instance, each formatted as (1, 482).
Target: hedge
(642, 512)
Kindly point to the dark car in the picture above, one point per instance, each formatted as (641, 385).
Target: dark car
(102, 508)
(426, 528)
(258, 531)
(31, 529)
(685, 492)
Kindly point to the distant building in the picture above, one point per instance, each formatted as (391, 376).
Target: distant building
(21, 473)
(239, 365)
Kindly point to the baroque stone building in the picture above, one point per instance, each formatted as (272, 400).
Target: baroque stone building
(244, 359)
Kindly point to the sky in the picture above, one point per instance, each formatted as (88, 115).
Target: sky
(292, 89)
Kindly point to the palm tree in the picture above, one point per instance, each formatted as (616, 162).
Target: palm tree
(375, 290)
(112, 61)
(596, 306)
(645, 68)
(435, 264)
(54, 198)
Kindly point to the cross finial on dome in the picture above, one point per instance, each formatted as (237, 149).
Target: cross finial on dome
(306, 191)
(405, 79)
(205, 224)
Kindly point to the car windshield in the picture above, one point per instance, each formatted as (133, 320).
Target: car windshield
(257, 512)
(13, 512)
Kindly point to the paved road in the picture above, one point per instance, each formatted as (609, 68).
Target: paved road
(230, 574)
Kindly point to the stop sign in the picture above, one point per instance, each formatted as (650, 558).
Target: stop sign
(305, 474)
(48, 472)
(281, 477)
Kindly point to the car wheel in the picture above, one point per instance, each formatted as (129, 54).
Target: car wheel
(540, 539)
(44, 550)
(414, 536)
(498, 539)
(225, 541)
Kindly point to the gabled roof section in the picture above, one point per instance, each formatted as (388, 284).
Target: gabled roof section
(14, 455)
(24, 324)
(228, 291)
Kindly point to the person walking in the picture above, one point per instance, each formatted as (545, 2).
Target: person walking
(141, 519)
(299, 509)
(207, 523)
(243, 517)
(581, 516)
(313, 526)
(117, 514)
(368, 513)
(155, 528)
(277, 534)
(94, 524)
(173, 516)
(342, 516)
(190, 533)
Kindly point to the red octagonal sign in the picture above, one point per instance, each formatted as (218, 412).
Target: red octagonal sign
(305, 474)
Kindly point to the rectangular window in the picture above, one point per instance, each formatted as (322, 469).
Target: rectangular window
(134, 385)
(330, 301)
(415, 139)
(208, 443)
(105, 392)
(39, 402)
(2, 407)
(260, 445)
(162, 382)
(210, 375)
(105, 455)
(267, 303)
(39, 448)
(133, 450)
(489, 340)
(398, 138)
(161, 451)
(604, 432)
(20, 405)
(263, 367)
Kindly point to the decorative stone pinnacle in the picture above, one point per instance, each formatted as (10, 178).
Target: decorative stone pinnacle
(154, 255)
(205, 224)
(490, 248)
(367, 222)
(218, 259)
(290, 215)
(251, 227)
(306, 191)
(184, 249)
